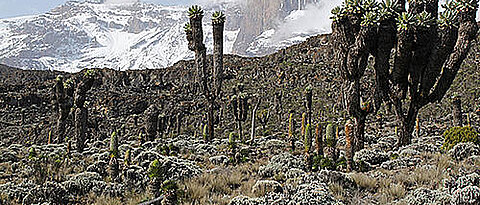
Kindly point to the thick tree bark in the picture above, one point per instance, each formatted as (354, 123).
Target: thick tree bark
(240, 134)
(349, 147)
(319, 140)
(407, 122)
(151, 122)
(81, 117)
(211, 127)
(457, 112)
(218, 57)
(359, 140)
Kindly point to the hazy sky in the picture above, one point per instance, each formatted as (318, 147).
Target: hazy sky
(13, 8)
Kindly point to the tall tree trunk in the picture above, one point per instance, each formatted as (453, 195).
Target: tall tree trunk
(81, 117)
(61, 123)
(211, 128)
(359, 141)
(349, 148)
(252, 132)
(457, 112)
(407, 123)
(218, 57)
(240, 131)
(151, 122)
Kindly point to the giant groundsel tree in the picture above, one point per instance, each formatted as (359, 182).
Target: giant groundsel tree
(211, 82)
(417, 52)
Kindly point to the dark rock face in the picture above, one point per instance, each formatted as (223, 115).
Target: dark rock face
(261, 15)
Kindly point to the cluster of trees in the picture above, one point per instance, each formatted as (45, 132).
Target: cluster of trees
(414, 50)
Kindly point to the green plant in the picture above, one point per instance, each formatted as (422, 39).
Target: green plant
(127, 159)
(304, 124)
(169, 185)
(319, 162)
(32, 153)
(218, 17)
(291, 130)
(330, 139)
(187, 27)
(154, 170)
(114, 145)
(205, 131)
(90, 73)
(195, 12)
(231, 141)
(457, 135)
(308, 139)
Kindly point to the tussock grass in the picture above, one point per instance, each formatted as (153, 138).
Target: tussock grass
(221, 186)
(364, 181)
(337, 191)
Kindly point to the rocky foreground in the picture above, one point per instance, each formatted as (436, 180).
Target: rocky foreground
(36, 170)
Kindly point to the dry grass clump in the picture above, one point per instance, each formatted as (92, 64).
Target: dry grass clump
(428, 177)
(364, 181)
(337, 191)
(129, 199)
(219, 187)
(389, 191)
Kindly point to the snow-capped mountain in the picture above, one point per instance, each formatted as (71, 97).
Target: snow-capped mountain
(77, 35)
(124, 36)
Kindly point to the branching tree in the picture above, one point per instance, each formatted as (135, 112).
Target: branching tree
(211, 86)
(417, 52)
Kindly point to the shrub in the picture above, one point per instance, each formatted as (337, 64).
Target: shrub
(319, 162)
(154, 170)
(457, 135)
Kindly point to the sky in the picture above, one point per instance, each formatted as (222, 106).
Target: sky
(14, 8)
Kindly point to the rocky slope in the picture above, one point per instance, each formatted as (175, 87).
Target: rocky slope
(265, 173)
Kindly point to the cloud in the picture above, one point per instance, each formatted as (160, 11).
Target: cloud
(121, 1)
(315, 19)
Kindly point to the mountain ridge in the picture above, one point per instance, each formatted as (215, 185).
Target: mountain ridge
(80, 35)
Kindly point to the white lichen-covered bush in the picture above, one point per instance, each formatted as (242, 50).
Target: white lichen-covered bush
(267, 186)
(401, 163)
(464, 189)
(304, 194)
(466, 195)
(464, 150)
(372, 157)
(30, 193)
(422, 147)
(281, 164)
(426, 196)
(91, 182)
